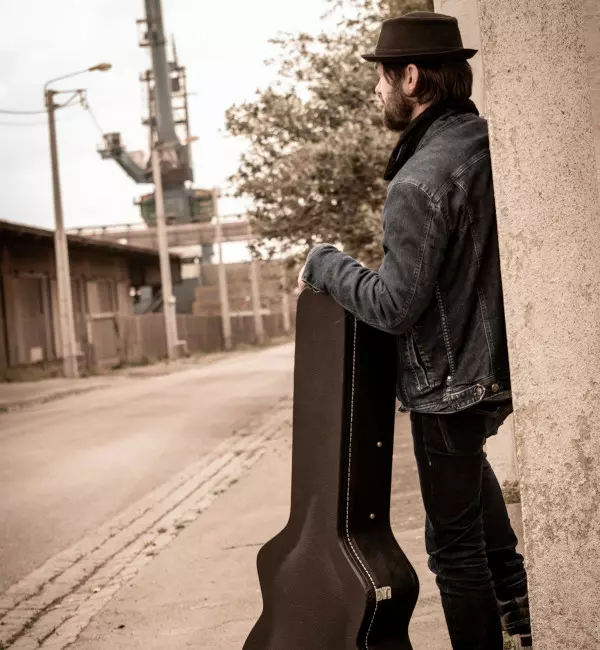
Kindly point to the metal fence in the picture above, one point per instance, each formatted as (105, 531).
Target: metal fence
(107, 340)
(138, 339)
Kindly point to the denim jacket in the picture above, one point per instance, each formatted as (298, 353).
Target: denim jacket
(439, 288)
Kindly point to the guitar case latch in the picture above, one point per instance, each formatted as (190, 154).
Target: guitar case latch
(383, 593)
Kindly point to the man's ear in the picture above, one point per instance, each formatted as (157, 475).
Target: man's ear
(411, 77)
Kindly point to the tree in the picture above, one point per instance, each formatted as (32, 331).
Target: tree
(317, 148)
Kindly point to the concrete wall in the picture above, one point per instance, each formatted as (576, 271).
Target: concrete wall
(538, 65)
(468, 19)
(592, 23)
(501, 448)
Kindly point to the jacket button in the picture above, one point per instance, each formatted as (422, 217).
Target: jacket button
(495, 388)
(479, 390)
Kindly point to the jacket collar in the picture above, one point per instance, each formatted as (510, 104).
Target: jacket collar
(415, 132)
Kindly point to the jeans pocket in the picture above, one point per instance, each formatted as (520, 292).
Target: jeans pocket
(463, 434)
(493, 414)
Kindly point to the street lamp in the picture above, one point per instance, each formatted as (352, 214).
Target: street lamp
(101, 67)
(61, 249)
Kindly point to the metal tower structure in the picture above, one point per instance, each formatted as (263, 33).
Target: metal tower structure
(168, 125)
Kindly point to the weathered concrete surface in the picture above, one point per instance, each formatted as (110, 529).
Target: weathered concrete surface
(501, 448)
(536, 62)
(69, 466)
(592, 13)
(468, 19)
(203, 591)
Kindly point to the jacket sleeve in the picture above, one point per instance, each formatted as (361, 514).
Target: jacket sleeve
(415, 234)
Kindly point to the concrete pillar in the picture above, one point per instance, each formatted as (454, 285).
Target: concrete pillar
(592, 12)
(537, 64)
(500, 448)
(468, 19)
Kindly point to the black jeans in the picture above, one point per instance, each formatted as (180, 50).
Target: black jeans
(469, 539)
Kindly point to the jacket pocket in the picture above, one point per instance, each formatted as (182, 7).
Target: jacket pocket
(416, 362)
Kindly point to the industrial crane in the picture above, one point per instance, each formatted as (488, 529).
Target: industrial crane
(169, 126)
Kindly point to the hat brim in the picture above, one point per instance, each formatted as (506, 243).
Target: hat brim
(457, 54)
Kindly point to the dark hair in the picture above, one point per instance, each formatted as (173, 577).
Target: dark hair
(447, 80)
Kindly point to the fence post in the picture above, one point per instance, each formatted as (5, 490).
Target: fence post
(259, 327)
(223, 291)
(139, 347)
(285, 302)
(91, 350)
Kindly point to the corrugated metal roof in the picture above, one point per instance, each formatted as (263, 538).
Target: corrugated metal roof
(79, 240)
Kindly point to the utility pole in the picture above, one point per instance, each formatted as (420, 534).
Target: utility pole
(259, 328)
(285, 301)
(61, 247)
(61, 253)
(223, 291)
(165, 261)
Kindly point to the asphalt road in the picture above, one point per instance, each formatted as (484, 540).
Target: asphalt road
(69, 466)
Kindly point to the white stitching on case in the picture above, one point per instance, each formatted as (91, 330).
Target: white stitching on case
(349, 541)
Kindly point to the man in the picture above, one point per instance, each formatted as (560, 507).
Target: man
(439, 291)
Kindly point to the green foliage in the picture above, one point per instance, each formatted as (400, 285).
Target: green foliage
(317, 147)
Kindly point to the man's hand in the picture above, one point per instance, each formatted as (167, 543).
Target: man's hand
(301, 283)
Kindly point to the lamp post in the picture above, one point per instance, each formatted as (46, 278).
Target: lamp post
(61, 249)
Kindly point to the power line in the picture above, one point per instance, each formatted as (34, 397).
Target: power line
(69, 101)
(9, 112)
(88, 108)
(68, 104)
(6, 111)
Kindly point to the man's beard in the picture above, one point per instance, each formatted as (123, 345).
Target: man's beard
(397, 114)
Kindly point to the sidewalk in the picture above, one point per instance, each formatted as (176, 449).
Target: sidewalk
(17, 395)
(202, 591)
(21, 394)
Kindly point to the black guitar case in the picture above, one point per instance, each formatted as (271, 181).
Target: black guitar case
(335, 577)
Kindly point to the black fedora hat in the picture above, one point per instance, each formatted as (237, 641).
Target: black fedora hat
(419, 36)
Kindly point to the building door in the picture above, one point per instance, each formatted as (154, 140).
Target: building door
(32, 320)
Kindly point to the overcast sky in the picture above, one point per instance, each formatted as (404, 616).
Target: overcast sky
(223, 43)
